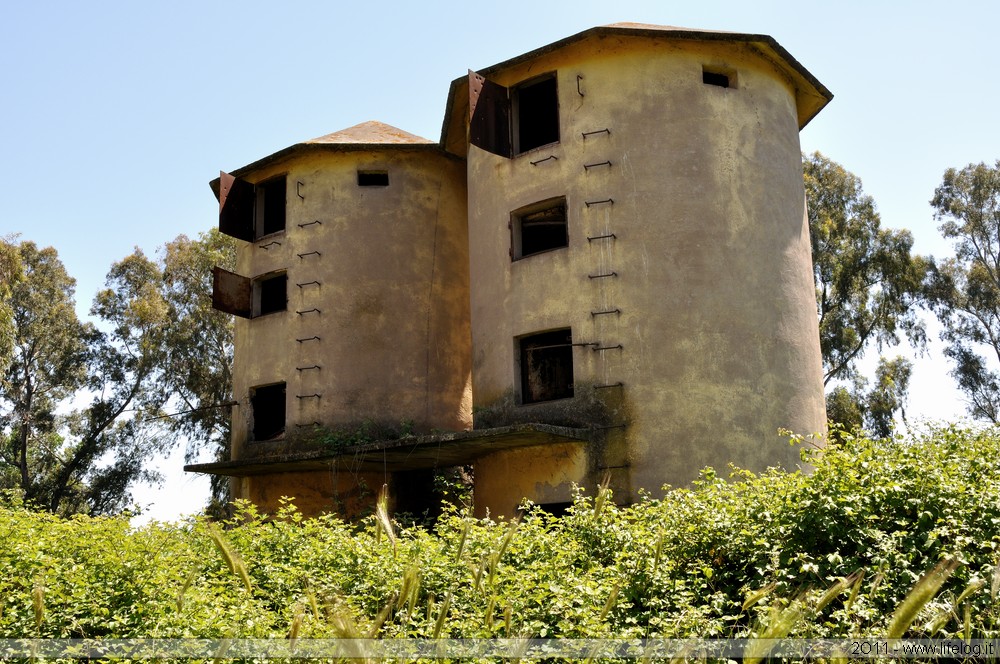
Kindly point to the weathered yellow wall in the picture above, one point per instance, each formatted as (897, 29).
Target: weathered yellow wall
(349, 494)
(718, 320)
(393, 300)
(545, 474)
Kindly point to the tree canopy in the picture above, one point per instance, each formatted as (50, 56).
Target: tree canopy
(868, 288)
(82, 404)
(964, 290)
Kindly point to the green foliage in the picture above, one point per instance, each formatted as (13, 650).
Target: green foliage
(11, 273)
(965, 289)
(868, 286)
(197, 347)
(837, 552)
(81, 404)
(873, 410)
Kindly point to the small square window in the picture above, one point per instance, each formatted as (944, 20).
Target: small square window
(535, 106)
(270, 207)
(270, 294)
(538, 228)
(373, 178)
(723, 78)
(546, 366)
(267, 403)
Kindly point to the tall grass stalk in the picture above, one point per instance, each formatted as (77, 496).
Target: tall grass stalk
(778, 626)
(381, 618)
(38, 603)
(758, 595)
(490, 607)
(442, 615)
(232, 559)
(855, 590)
(383, 519)
(657, 551)
(466, 525)
(995, 584)
(298, 616)
(179, 602)
(837, 588)
(603, 493)
(922, 592)
(610, 603)
(967, 626)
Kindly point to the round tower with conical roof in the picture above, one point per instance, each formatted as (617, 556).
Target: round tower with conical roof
(351, 296)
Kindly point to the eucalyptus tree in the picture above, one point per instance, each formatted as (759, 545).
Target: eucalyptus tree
(868, 289)
(965, 289)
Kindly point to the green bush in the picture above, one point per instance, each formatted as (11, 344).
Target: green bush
(834, 551)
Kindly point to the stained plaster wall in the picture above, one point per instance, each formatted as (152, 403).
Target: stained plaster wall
(718, 327)
(393, 302)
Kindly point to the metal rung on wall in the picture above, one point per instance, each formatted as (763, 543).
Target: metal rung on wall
(604, 313)
(315, 366)
(308, 311)
(618, 347)
(269, 244)
(609, 201)
(587, 167)
(314, 423)
(308, 396)
(308, 339)
(599, 131)
(309, 253)
(602, 387)
(611, 236)
(532, 349)
(601, 276)
(310, 223)
(308, 283)
(551, 156)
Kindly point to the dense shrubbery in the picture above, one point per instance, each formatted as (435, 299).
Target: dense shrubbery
(716, 559)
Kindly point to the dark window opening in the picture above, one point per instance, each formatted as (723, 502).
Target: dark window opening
(546, 366)
(271, 207)
(373, 178)
(271, 294)
(536, 114)
(556, 509)
(268, 406)
(721, 79)
(415, 493)
(538, 228)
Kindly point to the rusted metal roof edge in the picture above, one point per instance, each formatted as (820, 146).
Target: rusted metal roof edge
(331, 147)
(656, 33)
(500, 438)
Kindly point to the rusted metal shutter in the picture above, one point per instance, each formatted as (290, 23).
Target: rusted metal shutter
(489, 115)
(236, 199)
(231, 293)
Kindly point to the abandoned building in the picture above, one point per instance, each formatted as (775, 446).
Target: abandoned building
(601, 270)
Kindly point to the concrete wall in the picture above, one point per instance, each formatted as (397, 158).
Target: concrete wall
(717, 323)
(393, 297)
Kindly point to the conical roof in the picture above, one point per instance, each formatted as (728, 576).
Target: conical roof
(364, 136)
(372, 132)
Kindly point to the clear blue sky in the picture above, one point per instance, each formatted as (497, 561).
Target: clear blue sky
(115, 115)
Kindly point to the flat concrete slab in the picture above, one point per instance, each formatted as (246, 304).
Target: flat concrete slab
(410, 453)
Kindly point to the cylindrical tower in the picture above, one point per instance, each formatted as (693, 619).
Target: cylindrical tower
(640, 258)
(353, 284)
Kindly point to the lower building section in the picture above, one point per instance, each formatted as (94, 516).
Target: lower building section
(539, 462)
